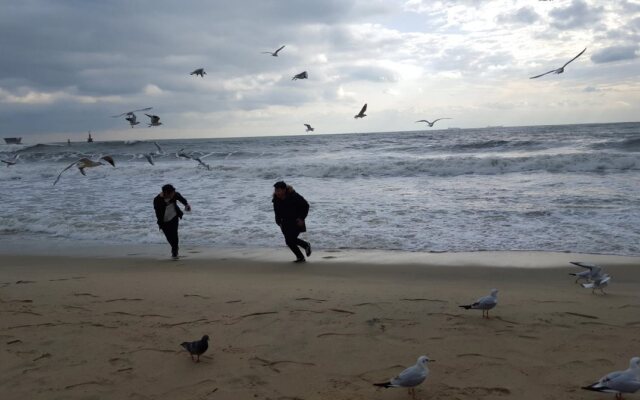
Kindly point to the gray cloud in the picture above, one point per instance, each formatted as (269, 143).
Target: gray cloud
(524, 15)
(615, 53)
(576, 15)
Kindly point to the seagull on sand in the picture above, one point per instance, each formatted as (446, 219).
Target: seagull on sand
(196, 348)
(199, 72)
(591, 272)
(619, 382)
(155, 120)
(485, 303)
(561, 69)
(431, 123)
(410, 377)
(130, 116)
(599, 283)
(86, 163)
(275, 53)
(361, 114)
(301, 75)
(309, 128)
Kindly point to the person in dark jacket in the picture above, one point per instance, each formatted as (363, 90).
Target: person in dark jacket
(291, 209)
(168, 214)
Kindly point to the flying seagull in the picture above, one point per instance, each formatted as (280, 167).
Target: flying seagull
(155, 120)
(196, 348)
(591, 272)
(199, 72)
(301, 75)
(361, 114)
(309, 128)
(151, 155)
(86, 163)
(619, 382)
(131, 117)
(485, 303)
(207, 166)
(410, 377)
(431, 123)
(275, 53)
(11, 161)
(561, 69)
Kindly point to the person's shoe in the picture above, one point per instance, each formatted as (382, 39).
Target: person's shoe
(300, 260)
(308, 249)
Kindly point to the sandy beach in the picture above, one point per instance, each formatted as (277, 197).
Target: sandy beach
(87, 327)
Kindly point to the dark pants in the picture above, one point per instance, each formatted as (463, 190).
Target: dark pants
(291, 239)
(170, 230)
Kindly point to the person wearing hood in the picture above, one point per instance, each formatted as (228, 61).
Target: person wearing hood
(168, 214)
(290, 210)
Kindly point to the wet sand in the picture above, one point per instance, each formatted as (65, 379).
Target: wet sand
(109, 327)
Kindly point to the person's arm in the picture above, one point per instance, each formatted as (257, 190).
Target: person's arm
(159, 212)
(303, 207)
(276, 211)
(182, 200)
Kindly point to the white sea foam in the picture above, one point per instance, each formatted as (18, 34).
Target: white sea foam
(545, 188)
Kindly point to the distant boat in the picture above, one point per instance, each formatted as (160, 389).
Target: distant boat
(13, 140)
(89, 139)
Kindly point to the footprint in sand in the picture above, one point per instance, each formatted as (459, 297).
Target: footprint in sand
(24, 282)
(329, 257)
(86, 294)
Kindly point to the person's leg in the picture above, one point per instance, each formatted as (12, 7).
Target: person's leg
(291, 239)
(305, 245)
(170, 230)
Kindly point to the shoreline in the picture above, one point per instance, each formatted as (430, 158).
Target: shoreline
(159, 252)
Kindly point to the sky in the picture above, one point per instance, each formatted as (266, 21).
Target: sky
(67, 66)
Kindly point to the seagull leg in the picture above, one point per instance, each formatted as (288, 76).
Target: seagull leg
(198, 358)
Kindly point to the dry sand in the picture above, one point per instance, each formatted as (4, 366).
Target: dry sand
(110, 328)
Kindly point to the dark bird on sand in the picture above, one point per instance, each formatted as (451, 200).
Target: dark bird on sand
(196, 348)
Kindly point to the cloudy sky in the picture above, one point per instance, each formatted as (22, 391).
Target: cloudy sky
(67, 65)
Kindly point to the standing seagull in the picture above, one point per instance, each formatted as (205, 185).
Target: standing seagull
(301, 75)
(200, 72)
(599, 283)
(619, 382)
(155, 120)
(275, 53)
(431, 123)
(561, 69)
(410, 377)
(361, 114)
(131, 117)
(309, 128)
(86, 163)
(485, 303)
(196, 348)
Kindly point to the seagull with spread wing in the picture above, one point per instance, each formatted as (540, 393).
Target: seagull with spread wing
(199, 72)
(561, 69)
(309, 128)
(84, 163)
(11, 161)
(361, 114)
(301, 75)
(275, 53)
(155, 120)
(431, 123)
(131, 117)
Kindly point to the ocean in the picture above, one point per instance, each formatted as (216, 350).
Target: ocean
(555, 188)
